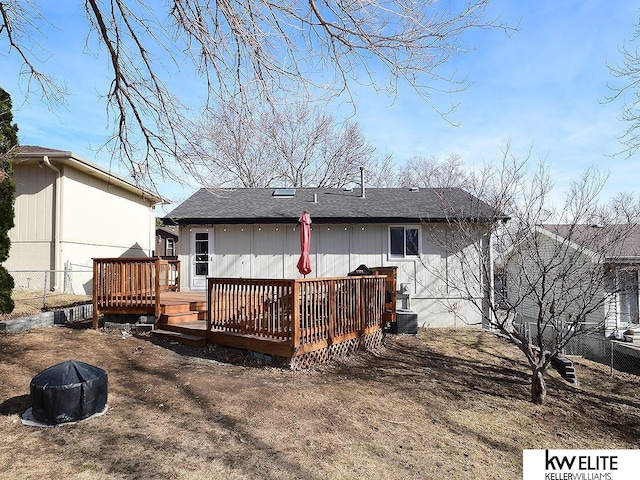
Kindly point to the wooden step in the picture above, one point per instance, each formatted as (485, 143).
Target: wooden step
(193, 328)
(183, 338)
(176, 308)
(177, 318)
(180, 307)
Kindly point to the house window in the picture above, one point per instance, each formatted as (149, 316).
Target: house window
(628, 296)
(170, 248)
(404, 242)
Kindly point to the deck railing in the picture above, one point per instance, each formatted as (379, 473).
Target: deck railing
(308, 314)
(132, 285)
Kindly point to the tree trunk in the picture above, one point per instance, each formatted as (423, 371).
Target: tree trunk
(538, 386)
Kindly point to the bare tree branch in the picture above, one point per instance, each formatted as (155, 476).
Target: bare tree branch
(628, 72)
(557, 258)
(245, 49)
(295, 145)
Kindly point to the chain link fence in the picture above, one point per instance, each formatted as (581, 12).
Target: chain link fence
(50, 288)
(592, 345)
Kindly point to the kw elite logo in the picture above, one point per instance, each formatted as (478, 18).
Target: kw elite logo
(580, 464)
(579, 467)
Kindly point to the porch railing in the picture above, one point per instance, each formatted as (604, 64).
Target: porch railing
(307, 314)
(132, 285)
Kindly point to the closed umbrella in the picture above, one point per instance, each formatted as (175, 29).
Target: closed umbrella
(304, 263)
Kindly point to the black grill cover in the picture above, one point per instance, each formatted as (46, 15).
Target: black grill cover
(361, 270)
(68, 392)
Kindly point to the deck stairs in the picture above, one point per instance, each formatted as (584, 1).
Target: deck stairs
(179, 320)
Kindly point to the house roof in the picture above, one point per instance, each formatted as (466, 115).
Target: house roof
(168, 229)
(612, 243)
(623, 241)
(379, 205)
(34, 153)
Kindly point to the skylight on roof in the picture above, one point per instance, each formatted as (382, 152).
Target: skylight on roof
(284, 192)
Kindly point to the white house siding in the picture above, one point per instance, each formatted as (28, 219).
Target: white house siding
(97, 219)
(331, 247)
(231, 244)
(446, 286)
(31, 240)
(368, 244)
(106, 216)
(272, 251)
(100, 220)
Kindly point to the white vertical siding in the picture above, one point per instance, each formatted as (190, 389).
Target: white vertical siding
(272, 251)
(331, 250)
(231, 251)
(368, 245)
(32, 236)
(33, 204)
(95, 212)
(97, 219)
(268, 251)
(445, 277)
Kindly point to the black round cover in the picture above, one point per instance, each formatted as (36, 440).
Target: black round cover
(68, 392)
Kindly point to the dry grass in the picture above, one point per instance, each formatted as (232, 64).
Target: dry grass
(29, 302)
(444, 404)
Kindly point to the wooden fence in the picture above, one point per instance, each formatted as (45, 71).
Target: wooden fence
(132, 285)
(293, 317)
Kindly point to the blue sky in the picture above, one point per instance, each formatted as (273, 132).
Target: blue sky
(541, 89)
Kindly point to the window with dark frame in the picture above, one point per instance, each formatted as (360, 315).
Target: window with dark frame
(404, 241)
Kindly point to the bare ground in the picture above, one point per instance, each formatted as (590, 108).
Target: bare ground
(445, 404)
(29, 302)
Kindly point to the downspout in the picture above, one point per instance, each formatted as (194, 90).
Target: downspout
(492, 299)
(56, 220)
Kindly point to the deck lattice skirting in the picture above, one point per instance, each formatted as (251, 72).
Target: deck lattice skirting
(368, 342)
(302, 321)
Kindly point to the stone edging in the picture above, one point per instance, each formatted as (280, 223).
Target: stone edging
(48, 319)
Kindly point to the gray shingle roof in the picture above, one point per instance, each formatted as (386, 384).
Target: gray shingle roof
(619, 240)
(380, 205)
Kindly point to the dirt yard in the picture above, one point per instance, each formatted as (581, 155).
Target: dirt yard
(31, 302)
(445, 404)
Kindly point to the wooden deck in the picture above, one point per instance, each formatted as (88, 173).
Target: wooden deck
(295, 321)
(132, 285)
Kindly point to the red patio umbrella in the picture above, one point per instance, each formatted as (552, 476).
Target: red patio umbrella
(304, 263)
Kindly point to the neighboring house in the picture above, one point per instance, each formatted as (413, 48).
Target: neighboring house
(167, 242)
(253, 233)
(596, 264)
(68, 211)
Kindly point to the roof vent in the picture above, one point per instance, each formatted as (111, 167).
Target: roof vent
(414, 189)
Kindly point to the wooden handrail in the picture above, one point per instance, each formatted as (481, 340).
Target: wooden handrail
(307, 313)
(132, 285)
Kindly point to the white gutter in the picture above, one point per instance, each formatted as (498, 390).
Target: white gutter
(56, 222)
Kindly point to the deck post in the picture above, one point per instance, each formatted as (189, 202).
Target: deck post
(157, 292)
(209, 307)
(332, 310)
(295, 316)
(95, 295)
(360, 305)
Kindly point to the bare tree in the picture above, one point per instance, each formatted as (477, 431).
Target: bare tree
(628, 72)
(557, 260)
(242, 50)
(430, 172)
(295, 145)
